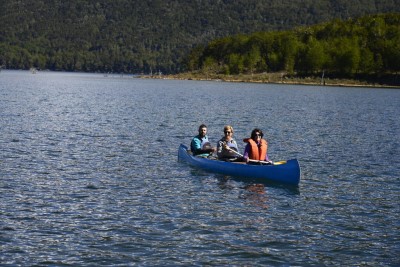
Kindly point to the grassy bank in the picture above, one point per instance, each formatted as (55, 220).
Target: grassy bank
(279, 78)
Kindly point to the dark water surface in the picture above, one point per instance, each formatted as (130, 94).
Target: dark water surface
(89, 174)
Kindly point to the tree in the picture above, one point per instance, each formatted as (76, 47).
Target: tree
(209, 66)
(312, 57)
(252, 58)
(391, 55)
(345, 56)
(235, 63)
(193, 59)
(366, 61)
(289, 48)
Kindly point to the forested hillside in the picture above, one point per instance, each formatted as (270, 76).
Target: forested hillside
(368, 46)
(133, 36)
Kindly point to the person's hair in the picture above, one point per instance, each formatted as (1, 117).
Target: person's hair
(228, 127)
(256, 130)
(202, 126)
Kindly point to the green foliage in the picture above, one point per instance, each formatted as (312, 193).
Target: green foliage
(144, 36)
(312, 57)
(368, 45)
(235, 63)
(209, 65)
(252, 58)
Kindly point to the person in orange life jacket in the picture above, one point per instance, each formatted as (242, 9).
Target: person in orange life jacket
(256, 148)
(226, 144)
(200, 146)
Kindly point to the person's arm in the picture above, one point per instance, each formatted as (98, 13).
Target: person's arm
(195, 146)
(246, 153)
(220, 147)
(266, 150)
(208, 149)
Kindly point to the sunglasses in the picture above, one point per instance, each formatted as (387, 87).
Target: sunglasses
(257, 135)
(227, 132)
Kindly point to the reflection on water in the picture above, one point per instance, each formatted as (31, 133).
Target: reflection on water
(89, 173)
(255, 194)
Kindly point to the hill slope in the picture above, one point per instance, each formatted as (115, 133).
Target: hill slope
(143, 36)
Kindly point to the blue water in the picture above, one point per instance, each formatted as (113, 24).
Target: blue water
(89, 174)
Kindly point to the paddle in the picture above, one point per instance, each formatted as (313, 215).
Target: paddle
(257, 161)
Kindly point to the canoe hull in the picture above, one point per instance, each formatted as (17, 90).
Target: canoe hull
(287, 173)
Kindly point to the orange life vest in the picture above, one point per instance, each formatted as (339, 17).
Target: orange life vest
(257, 152)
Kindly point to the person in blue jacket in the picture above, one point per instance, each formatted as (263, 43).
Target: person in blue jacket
(200, 146)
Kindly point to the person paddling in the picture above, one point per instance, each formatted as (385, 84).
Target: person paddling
(200, 146)
(227, 147)
(256, 148)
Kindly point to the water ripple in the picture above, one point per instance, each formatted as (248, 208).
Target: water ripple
(89, 174)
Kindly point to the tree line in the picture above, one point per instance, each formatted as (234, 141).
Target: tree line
(369, 45)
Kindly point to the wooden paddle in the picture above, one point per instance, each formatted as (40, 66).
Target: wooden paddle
(257, 161)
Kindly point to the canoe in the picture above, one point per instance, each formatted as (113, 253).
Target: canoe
(286, 172)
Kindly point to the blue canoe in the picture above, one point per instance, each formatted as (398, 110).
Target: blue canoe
(287, 172)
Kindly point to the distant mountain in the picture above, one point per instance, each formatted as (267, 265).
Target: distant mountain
(135, 36)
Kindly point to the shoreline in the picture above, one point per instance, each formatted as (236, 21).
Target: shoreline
(272, 78)
(266, 78)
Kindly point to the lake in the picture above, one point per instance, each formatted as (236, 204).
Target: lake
(89, 174)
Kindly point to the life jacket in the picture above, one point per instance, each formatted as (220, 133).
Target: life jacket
(257, 152)
(231, 144)
(223, 153)
(204, 144)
